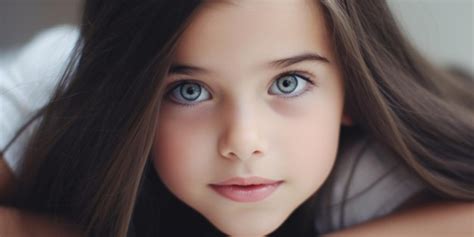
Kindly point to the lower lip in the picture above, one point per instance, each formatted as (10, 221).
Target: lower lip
(251, 193)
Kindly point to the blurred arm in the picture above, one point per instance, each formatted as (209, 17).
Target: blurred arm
(16, 223)
(7, 179)
(433, 219)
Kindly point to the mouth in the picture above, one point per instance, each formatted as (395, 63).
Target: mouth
(250, 189)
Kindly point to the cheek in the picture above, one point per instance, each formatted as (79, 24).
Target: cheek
(312, 155)
(181, 152)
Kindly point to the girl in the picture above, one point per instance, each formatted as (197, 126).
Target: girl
(225, 116)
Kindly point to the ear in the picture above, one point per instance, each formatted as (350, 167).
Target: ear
(346, 120)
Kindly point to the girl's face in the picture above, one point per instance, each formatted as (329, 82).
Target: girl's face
(255, 90)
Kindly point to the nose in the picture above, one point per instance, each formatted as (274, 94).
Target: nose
(242, 136)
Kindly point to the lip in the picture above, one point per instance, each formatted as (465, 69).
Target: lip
(251, 189)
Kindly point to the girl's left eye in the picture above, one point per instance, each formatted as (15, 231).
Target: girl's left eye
(290, 85)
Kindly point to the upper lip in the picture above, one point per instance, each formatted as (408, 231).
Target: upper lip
(254, 180)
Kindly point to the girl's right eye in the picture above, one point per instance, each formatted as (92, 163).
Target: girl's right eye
(188, 93)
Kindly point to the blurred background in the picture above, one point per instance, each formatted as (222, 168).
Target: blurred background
(441, 29)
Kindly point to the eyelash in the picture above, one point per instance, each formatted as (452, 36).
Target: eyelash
(298, 73)
(301, 74)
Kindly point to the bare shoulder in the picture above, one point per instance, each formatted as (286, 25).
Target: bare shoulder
(7, 179)
(446, 218)
(14, 221)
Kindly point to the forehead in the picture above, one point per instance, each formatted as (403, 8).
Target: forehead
(251, 32)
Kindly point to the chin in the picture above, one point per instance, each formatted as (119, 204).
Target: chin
(248, 228)
(246, 231)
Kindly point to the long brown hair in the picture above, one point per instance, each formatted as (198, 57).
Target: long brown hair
(87, 161)
(418, 111)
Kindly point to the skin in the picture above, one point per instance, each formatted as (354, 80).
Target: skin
(7, 179)
(14, 221)
(240, 125)
(429, 219)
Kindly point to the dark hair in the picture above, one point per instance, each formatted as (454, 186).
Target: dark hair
(87, 161)
(420, 112)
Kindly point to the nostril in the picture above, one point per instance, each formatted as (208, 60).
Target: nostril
(233, 155)
(257, 153)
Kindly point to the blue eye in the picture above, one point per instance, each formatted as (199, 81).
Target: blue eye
(189, 93)
(289, 85)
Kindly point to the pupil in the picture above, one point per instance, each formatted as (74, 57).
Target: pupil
(287, 84)
(190, 90)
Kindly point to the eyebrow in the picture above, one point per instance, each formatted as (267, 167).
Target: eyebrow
(177, 68)
(286, 62)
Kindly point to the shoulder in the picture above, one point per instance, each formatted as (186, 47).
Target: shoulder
(367, 182)
(14, 221)
(7, 179)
